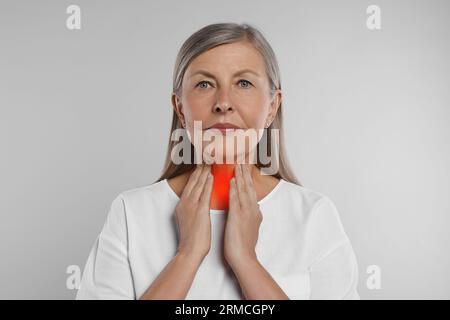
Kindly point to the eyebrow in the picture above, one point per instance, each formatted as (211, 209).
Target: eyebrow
(208, 74)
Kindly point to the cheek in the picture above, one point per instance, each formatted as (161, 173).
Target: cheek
(254, 109)
(254, 116)
(196, 109)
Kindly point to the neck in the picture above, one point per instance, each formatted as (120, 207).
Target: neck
(221, 186)
(222, 175)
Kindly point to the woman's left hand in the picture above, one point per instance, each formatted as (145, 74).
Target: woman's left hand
(244, 218)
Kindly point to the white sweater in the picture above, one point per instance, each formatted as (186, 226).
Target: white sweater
(301, 243)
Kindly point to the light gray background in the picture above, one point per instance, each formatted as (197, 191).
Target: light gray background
(85, 115)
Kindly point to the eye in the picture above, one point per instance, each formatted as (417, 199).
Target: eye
(201, 83)
(247, 84)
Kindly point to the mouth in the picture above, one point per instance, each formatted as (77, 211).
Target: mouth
(224, 127)
(224, 130)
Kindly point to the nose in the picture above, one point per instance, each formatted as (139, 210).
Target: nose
(218, 108)
(223, 103)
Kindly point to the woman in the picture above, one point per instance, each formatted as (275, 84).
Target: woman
(215, 230)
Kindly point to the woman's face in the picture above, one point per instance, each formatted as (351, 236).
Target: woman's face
(227, 84)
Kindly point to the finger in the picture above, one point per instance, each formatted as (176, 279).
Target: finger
(248, 183)
(233, 200)
(240, 188)
(200, 185)
(205, 197)
(192, 181)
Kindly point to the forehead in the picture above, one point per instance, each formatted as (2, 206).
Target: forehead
(229, 58)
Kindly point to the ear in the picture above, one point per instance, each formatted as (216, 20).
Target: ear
(177, 107)
(274, 105)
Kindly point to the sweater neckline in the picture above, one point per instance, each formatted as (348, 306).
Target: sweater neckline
(260, 202)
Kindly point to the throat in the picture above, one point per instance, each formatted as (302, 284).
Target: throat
(220, 193)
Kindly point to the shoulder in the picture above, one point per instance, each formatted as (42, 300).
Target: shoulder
(308, 199)
(153, 190)
(142, 201)
(317, 211)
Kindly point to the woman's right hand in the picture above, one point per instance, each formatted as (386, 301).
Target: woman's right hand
(192, 214)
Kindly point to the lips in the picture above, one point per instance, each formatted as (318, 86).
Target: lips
(225, 130)
(224, 127)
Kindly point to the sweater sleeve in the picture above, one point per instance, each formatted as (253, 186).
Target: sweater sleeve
(107, 273)
(333, 266)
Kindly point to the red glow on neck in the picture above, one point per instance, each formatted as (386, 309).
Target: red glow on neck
(222, 175)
